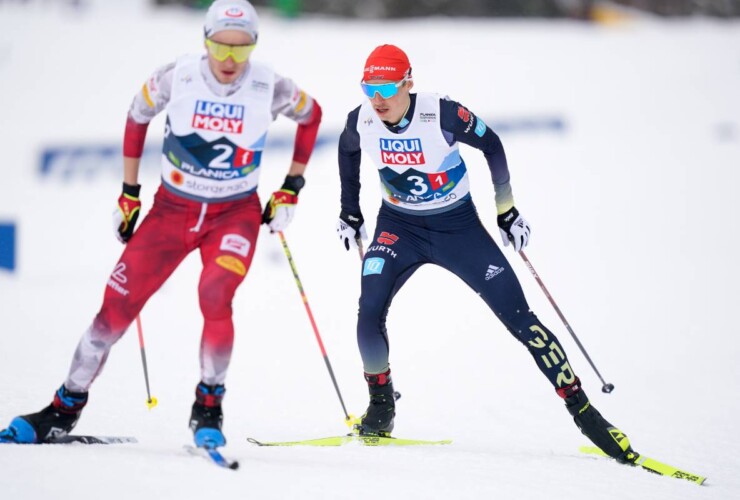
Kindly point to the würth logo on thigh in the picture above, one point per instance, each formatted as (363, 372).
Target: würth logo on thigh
(386, 238)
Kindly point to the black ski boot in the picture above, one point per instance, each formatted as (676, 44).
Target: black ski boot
(53, 422)
(611, 440)
(378, 419)
(207, 417)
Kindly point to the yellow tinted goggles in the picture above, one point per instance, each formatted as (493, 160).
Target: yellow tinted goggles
(221, 51)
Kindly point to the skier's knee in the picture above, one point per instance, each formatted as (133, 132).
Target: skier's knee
(215, 302)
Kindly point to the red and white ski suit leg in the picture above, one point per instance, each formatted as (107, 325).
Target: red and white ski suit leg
(226, 250)
(226, 234)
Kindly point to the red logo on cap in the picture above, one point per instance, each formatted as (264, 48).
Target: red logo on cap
(234, 12)
(372, 68)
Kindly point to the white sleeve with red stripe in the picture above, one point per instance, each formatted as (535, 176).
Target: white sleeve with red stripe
(153, 96)
(290, 101)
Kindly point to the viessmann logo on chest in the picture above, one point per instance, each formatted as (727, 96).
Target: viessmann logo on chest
(401, 152)
(219, 117)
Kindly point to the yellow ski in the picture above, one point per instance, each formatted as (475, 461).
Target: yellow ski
(651, 465)
(352, 438)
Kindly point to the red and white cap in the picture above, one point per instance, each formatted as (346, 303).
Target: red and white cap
(236, 15)
(387, 62)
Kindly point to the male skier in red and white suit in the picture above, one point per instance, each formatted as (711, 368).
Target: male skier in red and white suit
(219, 107)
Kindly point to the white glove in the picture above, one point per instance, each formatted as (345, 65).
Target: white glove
(514, 228)
(350, 228)
(280, 208)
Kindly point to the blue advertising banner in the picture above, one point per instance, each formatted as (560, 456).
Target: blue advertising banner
(74, 162)
(7, 245)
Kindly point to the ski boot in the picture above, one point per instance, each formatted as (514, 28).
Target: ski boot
(611, 440)
(206, 418)
(53, 422)
(378, 419)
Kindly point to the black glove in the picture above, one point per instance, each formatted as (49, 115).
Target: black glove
(127, 212)
(350, 228)
(514, 228)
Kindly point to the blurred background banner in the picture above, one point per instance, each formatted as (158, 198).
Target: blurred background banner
(592, 10)
(579, 9)
(7, 245)
(85, 161)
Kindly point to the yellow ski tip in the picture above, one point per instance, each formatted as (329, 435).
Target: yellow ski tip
(652, 465)
(151, 403)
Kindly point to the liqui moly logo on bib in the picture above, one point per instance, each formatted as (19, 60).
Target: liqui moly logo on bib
(219, 117)
(401, 152)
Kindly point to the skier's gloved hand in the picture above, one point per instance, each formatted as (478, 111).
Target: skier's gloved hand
(351, 228)
(514, 228)
(127, 212)
(280, 208)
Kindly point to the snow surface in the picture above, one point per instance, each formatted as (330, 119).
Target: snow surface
(635, 232)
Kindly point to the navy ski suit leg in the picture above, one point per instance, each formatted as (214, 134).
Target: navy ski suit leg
(468, 250)
(457, 241)
(397, 250)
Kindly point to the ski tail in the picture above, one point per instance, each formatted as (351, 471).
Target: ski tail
(94, 439)
(78, 439)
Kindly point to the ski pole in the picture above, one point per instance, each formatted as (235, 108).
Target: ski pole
(360, 250)
(150, 401)
(349, 419)
(607, 388)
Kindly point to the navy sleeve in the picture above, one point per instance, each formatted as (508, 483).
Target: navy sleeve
(461, 125)
(350, 156)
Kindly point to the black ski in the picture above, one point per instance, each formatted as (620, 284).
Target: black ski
(81, 440)
(94, 439)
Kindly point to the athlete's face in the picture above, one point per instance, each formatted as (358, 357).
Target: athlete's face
(228, 70)
(392, 109)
